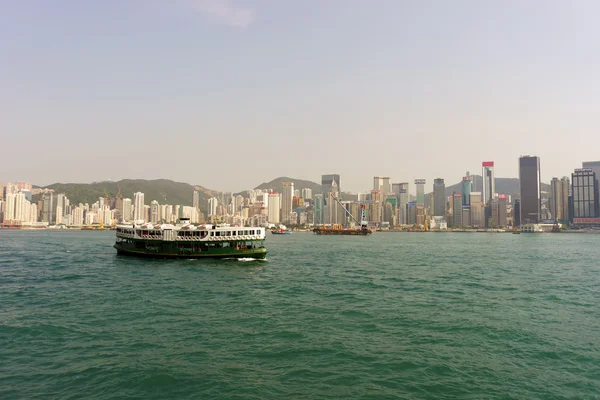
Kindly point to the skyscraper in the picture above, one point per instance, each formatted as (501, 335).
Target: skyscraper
(559, 199)
(585, 196)
(287, 197)
(476, 209)
(420, 184)
(196, 200)
(457, 209)
(126, 212)
(139, 212)
(489, 183)
(213, 204)
(401, 191)
(502, 204)
(530, 187)
(273, 210)
(439, 198)
(382, 183)
(318, 212)
(467, 188)
(330, 183)
(594, 166)
(154, 212)
(306, 193)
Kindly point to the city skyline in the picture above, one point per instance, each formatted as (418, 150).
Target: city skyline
(284, 83)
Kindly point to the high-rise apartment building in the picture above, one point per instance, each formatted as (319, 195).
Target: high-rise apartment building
(139, 212)
(126, 211)
(273, 210)
(287, 201)
(489, 183)
(439, 198)
(530, 187)
(155, 216)
(213, 204)
(420, 185)
(196, 199)
(306, 193)
(559, 199)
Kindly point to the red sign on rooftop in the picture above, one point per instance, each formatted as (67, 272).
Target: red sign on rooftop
(487, 164)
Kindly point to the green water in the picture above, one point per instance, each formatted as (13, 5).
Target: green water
(393, 315)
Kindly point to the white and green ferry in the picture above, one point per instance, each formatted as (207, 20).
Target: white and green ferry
(185, 240)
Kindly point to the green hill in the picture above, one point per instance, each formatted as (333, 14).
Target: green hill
(299, 184)
(162, 190)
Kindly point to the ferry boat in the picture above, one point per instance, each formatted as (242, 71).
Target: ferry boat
(185, 240)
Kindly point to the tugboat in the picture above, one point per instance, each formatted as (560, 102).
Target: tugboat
(339, 230)
(185, 240)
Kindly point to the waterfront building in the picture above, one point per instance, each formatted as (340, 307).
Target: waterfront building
(273, 211)
(586, 209)
(489, 183)
(411, 213)
(318, 209)
(439, 198)
(139, 213)
(467, 188)
(306, 193)
(457, 209)
(401, 191)
(476, 204)
(420, 210)
(502, 210)
(530, 189)
(49, 208)
(438, 224)
(559, 199)
(420, 185)
(466, 215)
(494, 208)
(287, 201)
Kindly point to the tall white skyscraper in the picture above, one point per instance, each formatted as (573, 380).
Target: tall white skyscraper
(286, 201)
(489, 183)
(273, 210)
(213, 204)
(139, 212)
(155, 212)
(196, 199)
(9, 207)
(126, 212)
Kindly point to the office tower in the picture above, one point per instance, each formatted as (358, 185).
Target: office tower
(287, 200)
(594, 166)
(530, 185)
(273, 213)
(126, 210)
(196, 199)
(489, 183)
(517, 213)
(401, 191)
(457, 209)
(49, 208)
(466, 215)
(327, 182)
(439, 198)
(585, 196)
(306, 193)
(502, 206)
(382, 183)
(467, 188)
(139, 213)
(411, 213)
(318, 209)
(420, 184)
(154, 212)
(559, 199)
(1, 191)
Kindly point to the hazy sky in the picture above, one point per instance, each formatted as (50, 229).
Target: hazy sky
(229, 94)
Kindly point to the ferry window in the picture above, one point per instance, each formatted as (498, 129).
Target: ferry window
(233, 233)
(212, 233)
(252, 232)
(225, 244)
(217, 233)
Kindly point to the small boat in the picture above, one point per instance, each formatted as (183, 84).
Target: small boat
(516, 233)
(280, 232)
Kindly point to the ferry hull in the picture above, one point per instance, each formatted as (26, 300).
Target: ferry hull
(258, 253)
